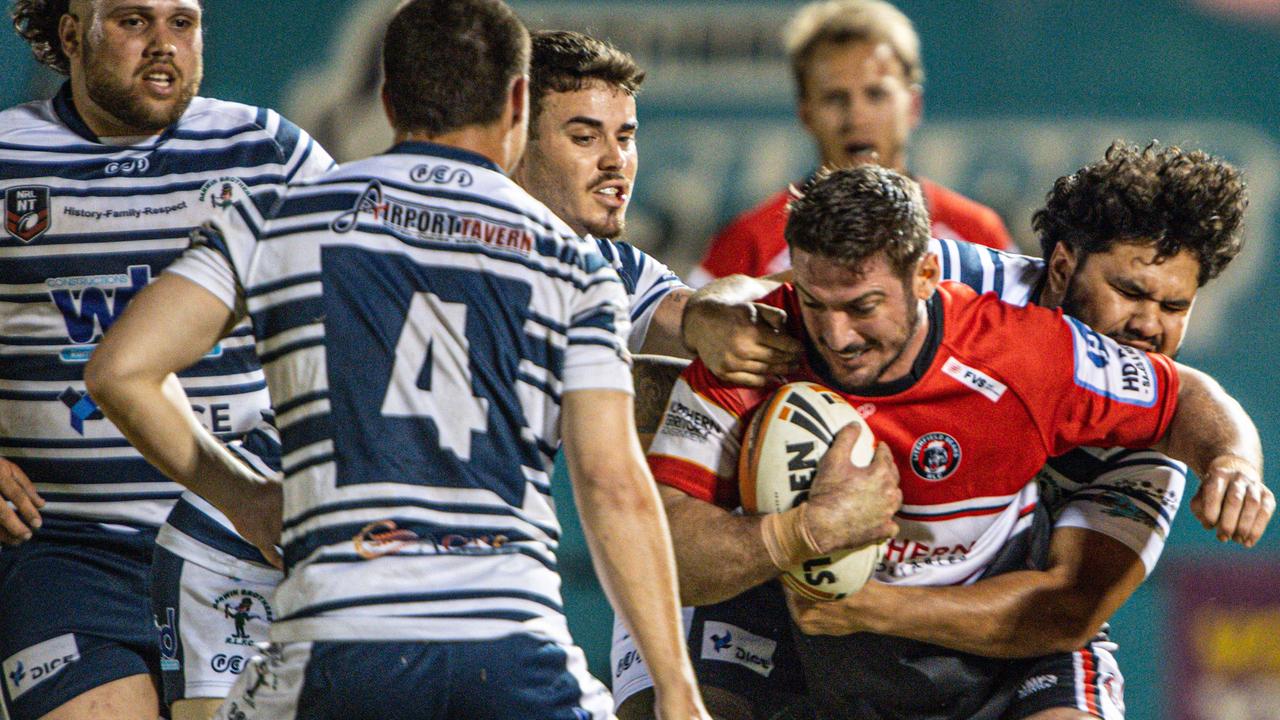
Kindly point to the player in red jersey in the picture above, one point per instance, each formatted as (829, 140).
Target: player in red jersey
(970, 394)
(858, 78)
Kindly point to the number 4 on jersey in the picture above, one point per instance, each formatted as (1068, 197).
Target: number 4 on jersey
(432, 373)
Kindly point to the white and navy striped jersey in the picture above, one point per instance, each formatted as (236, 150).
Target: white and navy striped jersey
(1128, 495)
(646, 280)
(419, 317)
(87, 224)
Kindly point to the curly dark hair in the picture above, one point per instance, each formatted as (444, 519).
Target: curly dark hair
(36, 21)
(565, 61)
(1180, 200)
(851, 214)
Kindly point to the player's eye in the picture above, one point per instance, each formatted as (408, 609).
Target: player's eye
(583, 139)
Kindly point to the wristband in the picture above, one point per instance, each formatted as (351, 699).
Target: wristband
(787, 539)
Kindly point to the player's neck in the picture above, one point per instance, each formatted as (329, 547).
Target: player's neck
(903, 364)
(490, 141)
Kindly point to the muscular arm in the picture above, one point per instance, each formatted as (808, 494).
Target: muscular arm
(169, 326)
(653, 376)
(1213, 435)
(628, 537)
(740, 341)
(1017, 614)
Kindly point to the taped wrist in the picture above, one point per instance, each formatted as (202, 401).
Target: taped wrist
(787, 538)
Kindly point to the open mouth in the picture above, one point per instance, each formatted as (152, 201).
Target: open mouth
(611, 195)
(855, 149)
(161, 82)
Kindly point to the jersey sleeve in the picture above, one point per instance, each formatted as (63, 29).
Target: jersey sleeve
(304, 158)
(221, 248)
(698, 442)
(1081, 387)
(646, 281)
(1131, 496)
(596, 356)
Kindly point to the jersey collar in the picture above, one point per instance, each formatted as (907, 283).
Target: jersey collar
(65, 108)
(448, 152)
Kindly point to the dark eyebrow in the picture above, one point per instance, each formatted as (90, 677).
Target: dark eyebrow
(597, 124)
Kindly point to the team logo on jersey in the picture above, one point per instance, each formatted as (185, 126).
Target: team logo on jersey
(223, 192)
(168, 632)
(241, 606)
(441, 175)
(935, 456)
(91, 303)
(26, 212)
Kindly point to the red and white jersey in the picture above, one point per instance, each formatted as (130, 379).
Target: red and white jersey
(752, 244)
(996, 391)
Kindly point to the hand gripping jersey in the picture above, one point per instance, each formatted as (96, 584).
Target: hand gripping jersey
(419, 317)
(752, 244)
(87, 224)
(1128, 495)
(996, 391)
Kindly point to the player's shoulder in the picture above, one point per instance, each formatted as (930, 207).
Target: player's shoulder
(210, 118)
(983, 324)
(34, 125)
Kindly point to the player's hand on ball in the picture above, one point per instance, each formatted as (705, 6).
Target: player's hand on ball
(19, 505)
(851, 507)
(1233, 500)
(742, 343)
(830, 617)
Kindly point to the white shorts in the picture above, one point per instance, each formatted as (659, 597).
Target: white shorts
(210, 621)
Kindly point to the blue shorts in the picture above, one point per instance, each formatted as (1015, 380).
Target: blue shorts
(74, 614)
(512, 678)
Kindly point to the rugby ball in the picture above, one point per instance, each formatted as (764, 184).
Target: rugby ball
(780, 451)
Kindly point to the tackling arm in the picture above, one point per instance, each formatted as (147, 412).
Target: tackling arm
(169, 326)
(1014, 615)
(1214, 435)
(740, 341)
(628, 538)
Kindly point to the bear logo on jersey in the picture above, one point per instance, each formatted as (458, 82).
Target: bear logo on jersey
(935, 456)
(26, 212)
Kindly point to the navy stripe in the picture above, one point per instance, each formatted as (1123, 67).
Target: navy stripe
(31, 297)
(227, 134)
(302, 162)
(997, 261)
(970, 266)
(33, 395)
(36, 270)
(287, 138)
(291, 281)
(1078, 465)
(268, 358)
(341, 558)
(104, 238)
(216, 391)
(322, 608)
(108, 497)
(422, 529)
(94, 471)
(78, 443)
(48, 367)
(193, 522)
(307, 431)
(288, 315)
(546, 389)
(547, 322)
(638, 310)
(259, 152)
(300, 400)
(945, 253)
(135, 191)
(593, 341)
(625, 260)
(290, 470)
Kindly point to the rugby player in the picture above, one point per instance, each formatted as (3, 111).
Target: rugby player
(419, 534)
(859, 88)
(102, 184)
(1129, 240)
(881, 328)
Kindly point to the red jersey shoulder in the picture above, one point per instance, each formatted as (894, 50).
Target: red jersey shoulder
(966, 218)
(984, 329)
(751, 240)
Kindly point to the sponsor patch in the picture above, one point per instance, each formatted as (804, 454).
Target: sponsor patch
(441, 175)
(1110, 369)
(935, 456)
(974, 379)
(223, 192)
(241, 606)
(732, 644)
(26, 212)
(683, 421)
(28, 668)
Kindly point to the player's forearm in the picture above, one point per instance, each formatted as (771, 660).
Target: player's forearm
(663, 336)
(1209, 424)
(1020, 614)
(718, 554)
(631, 550)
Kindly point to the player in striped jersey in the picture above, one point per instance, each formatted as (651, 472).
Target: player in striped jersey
(958, 526)
(419, 414)
(102, 185)
(1129, 240)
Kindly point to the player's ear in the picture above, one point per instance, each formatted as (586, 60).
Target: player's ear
(927, 276)
(1061, 268)
(917, 104)
(519, 102)
(69, 34)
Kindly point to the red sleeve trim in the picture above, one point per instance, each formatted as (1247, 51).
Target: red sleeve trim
(688, 477)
